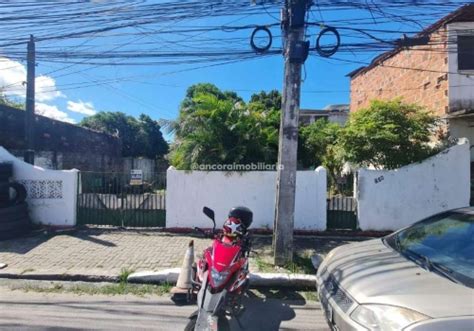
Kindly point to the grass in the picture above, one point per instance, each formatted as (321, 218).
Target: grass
(301, 265)
(310, 295)
(120, 288)
(91, 289)
(263, 266)
(124, 273)
(148, 290)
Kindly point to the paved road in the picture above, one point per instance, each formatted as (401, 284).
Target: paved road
(37, 311)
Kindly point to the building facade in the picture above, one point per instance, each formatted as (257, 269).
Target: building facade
(333, 113)
(436, 73)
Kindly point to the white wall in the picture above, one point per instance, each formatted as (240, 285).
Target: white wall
(339, 118)
(52, 194)
(188, 192)
(463, 128)
(392, 199)
(461, 86)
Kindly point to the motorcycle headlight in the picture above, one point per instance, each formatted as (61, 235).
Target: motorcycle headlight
(384, 317)
(218, 277)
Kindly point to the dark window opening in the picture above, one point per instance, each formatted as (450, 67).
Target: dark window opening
(465, 52)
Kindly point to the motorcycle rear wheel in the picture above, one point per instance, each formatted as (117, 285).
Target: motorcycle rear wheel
(223, 324)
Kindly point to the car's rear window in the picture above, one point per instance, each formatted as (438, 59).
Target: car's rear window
(445, 241)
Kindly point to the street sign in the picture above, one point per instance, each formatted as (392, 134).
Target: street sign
(136, 177)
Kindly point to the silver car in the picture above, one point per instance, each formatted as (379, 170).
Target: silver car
(418, 278)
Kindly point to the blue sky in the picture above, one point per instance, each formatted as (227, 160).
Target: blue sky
(157, 90)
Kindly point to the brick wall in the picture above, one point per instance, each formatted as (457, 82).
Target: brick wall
(64, 145)
(426, 88)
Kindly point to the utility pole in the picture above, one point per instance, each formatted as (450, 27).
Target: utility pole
(29, 156)
(295, 52)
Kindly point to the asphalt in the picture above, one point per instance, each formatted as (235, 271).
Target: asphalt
(39, 311)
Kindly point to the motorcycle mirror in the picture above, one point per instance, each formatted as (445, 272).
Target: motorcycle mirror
(210, 213)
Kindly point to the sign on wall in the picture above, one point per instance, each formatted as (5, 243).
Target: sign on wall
(136, 177)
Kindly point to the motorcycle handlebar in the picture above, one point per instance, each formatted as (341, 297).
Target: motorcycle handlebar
(204, 233)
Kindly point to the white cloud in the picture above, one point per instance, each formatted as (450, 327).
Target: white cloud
(13, 77)
(52, 112)
(46, 89)
(12, 84)
(85, 108)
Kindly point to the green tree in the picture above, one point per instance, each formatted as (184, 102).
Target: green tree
(318, 145)
(154, 144)
(6, 101)
(270, 100)
(216, 127)
(140, 137)
(267, 109)
(389, 134)
(183, 126)
(314, 139)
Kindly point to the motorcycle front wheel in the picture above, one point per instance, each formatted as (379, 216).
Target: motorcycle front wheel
(223, 324)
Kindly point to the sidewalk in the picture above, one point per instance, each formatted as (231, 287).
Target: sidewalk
(103, 253)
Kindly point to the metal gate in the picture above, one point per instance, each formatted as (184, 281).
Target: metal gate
(341, 206)
(341, 213)
(119, 200)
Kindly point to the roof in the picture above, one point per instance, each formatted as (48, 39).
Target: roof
(328, 110)
(462, 14)
(337, 107)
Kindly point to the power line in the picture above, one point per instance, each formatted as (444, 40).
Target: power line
(81, 20)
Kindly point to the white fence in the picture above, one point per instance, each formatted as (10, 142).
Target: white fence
(188, 192)
(390, 200)
(51, 193)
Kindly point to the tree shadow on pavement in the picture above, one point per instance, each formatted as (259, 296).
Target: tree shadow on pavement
(92, 237)
(23, 245)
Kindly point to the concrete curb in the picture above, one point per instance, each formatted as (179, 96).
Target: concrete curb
(256, 279)
(61, 277)
(276, 280)
(155, 277)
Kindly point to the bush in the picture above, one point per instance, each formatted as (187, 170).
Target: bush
(389, 135)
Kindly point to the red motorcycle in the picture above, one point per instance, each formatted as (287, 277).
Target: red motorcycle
(221, 277)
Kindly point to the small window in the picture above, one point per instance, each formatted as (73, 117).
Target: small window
(465, 52)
